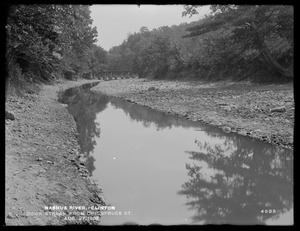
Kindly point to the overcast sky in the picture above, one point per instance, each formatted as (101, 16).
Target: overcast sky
(114, 22)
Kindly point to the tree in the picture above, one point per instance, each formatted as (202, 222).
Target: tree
(43, 39)
(254, 26)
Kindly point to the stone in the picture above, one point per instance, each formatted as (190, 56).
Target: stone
(82, 159)
(9, 115)
(227, 108)
(226, 129)
(152, 89)
(278, 109)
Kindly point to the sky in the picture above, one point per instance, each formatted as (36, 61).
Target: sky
(115, 22)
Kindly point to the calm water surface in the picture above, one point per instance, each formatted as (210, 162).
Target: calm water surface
(162, 169)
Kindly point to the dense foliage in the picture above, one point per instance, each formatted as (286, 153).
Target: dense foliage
(47, 41)
(237, 41)
(232, 41)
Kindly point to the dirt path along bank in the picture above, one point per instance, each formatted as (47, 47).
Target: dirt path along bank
(41, 162)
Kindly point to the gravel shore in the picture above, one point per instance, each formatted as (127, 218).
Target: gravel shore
(265, 112)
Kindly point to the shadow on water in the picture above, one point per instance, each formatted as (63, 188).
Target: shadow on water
(236, 181)
(247, 185)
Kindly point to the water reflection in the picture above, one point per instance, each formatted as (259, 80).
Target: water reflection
(228, 178)
(83, 105)
(148, 116)
(247, 185)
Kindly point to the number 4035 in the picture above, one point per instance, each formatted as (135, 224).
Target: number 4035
(268, 211)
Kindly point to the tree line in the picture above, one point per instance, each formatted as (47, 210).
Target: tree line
(237, 41)
(47, 41)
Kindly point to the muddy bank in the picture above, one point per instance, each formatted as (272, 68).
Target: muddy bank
(42, 162)
(265, 112)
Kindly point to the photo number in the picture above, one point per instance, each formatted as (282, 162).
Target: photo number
(268, 211)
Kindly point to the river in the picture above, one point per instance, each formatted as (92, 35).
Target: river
(156, 168)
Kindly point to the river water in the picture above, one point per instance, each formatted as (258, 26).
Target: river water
(156, 168)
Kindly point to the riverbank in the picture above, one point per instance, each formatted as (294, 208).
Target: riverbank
(264, 112)
(42, 165)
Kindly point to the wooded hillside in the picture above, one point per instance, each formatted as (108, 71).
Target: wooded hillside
(45, 42)
(235, 42)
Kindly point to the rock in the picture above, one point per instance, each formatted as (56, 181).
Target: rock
(226, 129)
(82, 159)
(278, 109)
(227, 108)
(39, 159)
(10, 216)
(9, 115)
(84, 170)
(152, 89)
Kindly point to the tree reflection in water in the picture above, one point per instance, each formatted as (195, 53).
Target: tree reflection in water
(232, 182)
(148, 116)
(84, 106)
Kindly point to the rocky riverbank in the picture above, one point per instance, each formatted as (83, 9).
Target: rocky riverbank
(42, 162)
(265, 112)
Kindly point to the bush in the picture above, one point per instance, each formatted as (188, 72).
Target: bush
(70, 75)
(19, 83)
